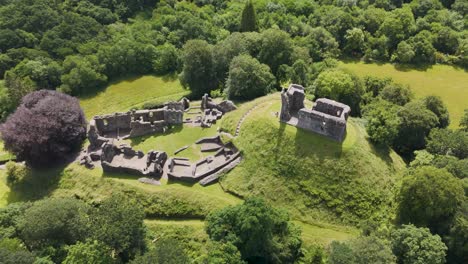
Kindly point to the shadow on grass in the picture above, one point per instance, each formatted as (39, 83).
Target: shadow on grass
(308, 143)
(38, 184)
(382, 152)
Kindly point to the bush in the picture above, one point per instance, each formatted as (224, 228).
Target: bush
(46, 127)
(15, 173)
(248, 78)
(397, 94)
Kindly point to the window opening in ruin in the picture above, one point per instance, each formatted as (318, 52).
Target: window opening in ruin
(321, 127)
(150, 114)
(105, 122)
(338, 113)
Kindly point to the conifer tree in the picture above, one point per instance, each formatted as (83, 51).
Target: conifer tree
(249, 18)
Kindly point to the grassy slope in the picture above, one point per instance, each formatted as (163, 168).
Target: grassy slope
(133, 93)
(315, 178)
(450, 83)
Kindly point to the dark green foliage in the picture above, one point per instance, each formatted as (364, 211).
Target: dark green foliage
(198, 69)
(362, 250)
(464, 121)
(457, 241)
(437, 106)
(167, 59)
(59, 127)
(340, 253)
(276, 48)
(340, 86)
(16, 257)
(382, 121)
(413, 245)
(416, 123)
(82, 74)
(397, 94)
(321, 44)
(457, 167)
(448, 142)
(260, 232)
(371, 249)
(118, 223)
(429, 198)
(88, 252)
(166, 251)
(223, 253)
(248, 78)
(51, 224)
(374, 84)
(248, 18)
(9, 219)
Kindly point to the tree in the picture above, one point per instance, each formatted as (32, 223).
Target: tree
(464, 121)
(118, 223)
(413, 245)
(340, 86)
(437, 106)
(46, 127)
(88, 252)
(248, 78)
(248, 18)
(424, 52)
(404, 53)
(416, 123)
(355, 41)
(382, 121)
(54, 223)
(82, 74)
(340, 253)
(397, 94)
(166, 251)
(197, 73)
(321, 44)
(300, 73)
(260, 232)
(223, 253)
(275, 49)
(429, 198)
(448, 142)
(16, 257)
(371, 249)
(167, 59)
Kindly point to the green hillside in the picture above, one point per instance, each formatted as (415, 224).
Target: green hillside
(313, 177)
(448, 82)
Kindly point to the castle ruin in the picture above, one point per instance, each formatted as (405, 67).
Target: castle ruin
(327, 117)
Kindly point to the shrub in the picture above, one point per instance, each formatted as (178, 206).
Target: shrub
(15, 173)
(46, 127)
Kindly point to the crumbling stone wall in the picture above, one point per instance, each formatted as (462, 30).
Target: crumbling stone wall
(327, 117)
(134, 123)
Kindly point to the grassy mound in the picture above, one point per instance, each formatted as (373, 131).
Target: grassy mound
(313, 177)
(133, 93)
(448, 82)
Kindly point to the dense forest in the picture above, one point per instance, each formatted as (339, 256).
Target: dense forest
(77, 46)
(240, 50)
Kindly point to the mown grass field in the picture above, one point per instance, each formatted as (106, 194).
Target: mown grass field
(317, 180)
(133, 93)
(448, 82)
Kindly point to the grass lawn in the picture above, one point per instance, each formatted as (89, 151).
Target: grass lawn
(4, 190)
(132, 93)
(448, 82)
(175, 139)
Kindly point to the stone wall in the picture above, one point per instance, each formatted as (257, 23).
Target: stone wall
(327, 117)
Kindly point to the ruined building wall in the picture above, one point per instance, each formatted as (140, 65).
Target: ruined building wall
(321, 123)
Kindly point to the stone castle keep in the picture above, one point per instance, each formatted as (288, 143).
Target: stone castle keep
(327, 117)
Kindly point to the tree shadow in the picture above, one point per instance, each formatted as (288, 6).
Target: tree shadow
(309, 143)
(381, 151)
(40, 183)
